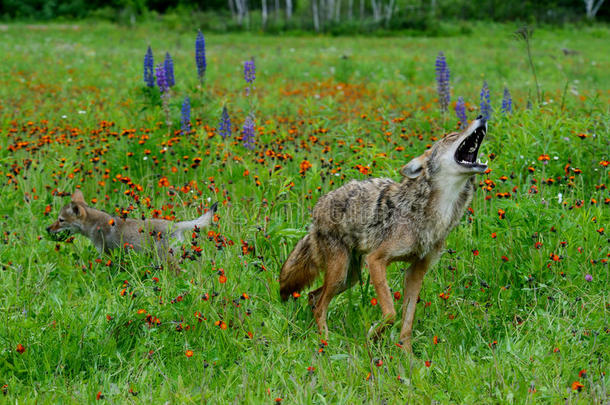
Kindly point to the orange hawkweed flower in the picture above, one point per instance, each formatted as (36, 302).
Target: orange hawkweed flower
(20, 348)
(373, 301)
(577, 386)
(189, 353)
(222, 279)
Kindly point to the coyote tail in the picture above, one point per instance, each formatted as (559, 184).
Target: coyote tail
(201, 222)
(300, 269)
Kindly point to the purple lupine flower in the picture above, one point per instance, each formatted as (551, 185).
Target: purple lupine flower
(460, 111)
(169, 70)
(588, 277)
(486, 109)
(224, 128)
(442, 82)
(200, 55)
(149, 74)
(507, 102)
(248, 133)
(161, 78)
(249, 71)
(186, 115)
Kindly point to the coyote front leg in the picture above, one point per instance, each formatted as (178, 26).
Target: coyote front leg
(413, 282)
(378, 267)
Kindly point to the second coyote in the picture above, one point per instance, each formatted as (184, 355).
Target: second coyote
(382, 221)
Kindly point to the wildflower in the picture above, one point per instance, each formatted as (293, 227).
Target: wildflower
(486, 109)
(189, 353)
(248, 133)
(577, 386)
(20, 348)
(169, 70)
(428, 363)
(373, 301)
(186, 115)
(161, 78)
(200, 55)
(249, 73)
(507, 102)
(224, 128)
(149, 75)
(588, 277)
(442, 81)
(460, 111)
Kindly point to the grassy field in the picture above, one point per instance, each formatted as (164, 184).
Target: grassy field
(516, 311)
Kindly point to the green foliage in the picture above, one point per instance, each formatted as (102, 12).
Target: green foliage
(519, 322)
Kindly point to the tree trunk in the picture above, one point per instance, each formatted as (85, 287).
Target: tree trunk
(264, 12)
(350, 9)
(232, 8)
(376, 11)
(277, 10)
(592, 7)
(361, 10)
(314, 13)
(240, 11)
(338, 11)
(330, 9)
(288, 10)
(388, 13)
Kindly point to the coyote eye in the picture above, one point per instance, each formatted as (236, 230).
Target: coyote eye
(60, 219)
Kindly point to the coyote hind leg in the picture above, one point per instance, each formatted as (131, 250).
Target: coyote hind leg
(335, 279)
(353, 275)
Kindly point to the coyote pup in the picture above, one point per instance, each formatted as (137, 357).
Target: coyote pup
(383, 221)
(108, 232)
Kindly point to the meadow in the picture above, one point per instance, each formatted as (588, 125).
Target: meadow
(516, 310)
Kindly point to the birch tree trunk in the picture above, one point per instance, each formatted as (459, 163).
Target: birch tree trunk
(338, 11)
(350, 9)
(330, 9)
(314, 13)
(376, 10)
(232, 8)
(277, 10)
(389, 11)
(288, 10)
(592, 7)
(264, 12)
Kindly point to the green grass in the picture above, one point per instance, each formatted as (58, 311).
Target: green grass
(507, 326)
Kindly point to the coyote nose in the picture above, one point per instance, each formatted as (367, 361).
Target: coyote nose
(48, 229)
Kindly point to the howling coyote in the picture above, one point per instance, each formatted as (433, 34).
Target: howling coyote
(383, 221)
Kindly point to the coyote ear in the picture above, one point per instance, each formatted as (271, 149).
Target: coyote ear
(75, 209)
(78, 196)
(413, 168)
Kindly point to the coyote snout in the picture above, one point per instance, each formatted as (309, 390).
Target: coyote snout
(382, 221)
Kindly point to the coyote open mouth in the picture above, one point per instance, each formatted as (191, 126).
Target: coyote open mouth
(466, 154)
